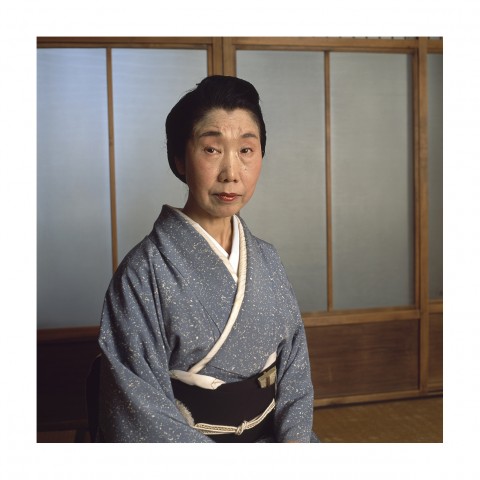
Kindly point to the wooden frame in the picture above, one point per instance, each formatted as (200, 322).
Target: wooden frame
(326, 44)
(221, 58)
(422, 169)
(111, 158)
(328, 183)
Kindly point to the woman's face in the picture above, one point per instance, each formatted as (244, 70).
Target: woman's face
(223, 159)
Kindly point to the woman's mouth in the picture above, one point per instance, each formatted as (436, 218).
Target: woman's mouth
(226, 197)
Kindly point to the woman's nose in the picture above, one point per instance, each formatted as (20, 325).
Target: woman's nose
(230, 168)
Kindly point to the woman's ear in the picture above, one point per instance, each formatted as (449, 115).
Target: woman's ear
(180, 165)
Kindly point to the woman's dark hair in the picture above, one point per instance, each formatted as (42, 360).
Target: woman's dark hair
(228, 93)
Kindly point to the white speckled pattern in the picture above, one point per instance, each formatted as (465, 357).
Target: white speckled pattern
(166, 306)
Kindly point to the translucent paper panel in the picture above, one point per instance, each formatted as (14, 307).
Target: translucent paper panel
(372, 180)
(146, 85)
(435, 174)
(288, 208)
(73, 209)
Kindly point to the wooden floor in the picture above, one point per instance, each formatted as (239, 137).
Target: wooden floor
(412, 421)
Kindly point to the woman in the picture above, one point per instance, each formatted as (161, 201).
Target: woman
(201, 334)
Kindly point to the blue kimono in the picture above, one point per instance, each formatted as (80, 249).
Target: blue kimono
(167, 304)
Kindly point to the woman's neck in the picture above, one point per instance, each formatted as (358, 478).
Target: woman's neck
(220, 228)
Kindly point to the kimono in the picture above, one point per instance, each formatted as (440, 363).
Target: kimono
(167, 305)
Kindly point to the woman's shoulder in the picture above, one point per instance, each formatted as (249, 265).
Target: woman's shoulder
(138, 260)
(146, 250)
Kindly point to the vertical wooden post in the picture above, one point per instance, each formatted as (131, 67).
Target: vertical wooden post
(416, 179)
(216, 67)
(328, 182)
(229, 57)
(111, 155)
(422, 169)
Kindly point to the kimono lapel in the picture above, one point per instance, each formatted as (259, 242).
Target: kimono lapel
(237, 305)
(258, 329)
(200, 267)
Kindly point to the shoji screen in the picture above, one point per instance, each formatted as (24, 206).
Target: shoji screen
(74, 211)
(371, 174)
(73, 205)
(372, 180)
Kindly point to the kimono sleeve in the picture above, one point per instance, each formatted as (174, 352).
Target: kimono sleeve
(136, 397)
(294, 396)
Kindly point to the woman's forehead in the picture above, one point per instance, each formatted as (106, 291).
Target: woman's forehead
(238, 122)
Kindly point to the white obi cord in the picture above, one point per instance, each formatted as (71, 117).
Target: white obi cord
(207, 382)
(192, 377)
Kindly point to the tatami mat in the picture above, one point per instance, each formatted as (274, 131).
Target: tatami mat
(418, 420)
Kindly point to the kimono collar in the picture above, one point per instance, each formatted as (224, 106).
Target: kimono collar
(200, 267)
(234, 257)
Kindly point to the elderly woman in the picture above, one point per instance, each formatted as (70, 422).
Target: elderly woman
(201, 334)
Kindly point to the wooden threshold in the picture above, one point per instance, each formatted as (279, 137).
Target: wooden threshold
(372, 397)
